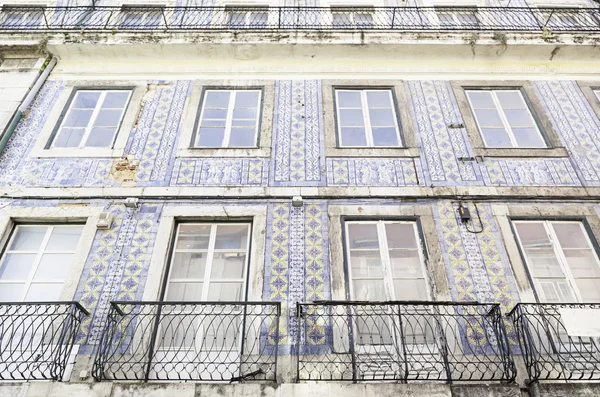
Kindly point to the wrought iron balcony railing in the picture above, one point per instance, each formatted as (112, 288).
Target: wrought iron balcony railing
(402, 341)
(190, 341)
(37, 339)
(559, 341)
(155, 18)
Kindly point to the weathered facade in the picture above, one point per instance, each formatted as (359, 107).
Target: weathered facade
(363, 205)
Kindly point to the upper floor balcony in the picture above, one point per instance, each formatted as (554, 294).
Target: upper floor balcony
(266, 18)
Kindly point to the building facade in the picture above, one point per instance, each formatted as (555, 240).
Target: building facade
(329, 197)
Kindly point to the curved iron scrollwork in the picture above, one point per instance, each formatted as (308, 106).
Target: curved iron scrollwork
(193, 341)
(37, 339)
(159, 18)
(402, 341)
(555, 347)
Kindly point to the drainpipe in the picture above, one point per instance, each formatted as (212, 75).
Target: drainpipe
(25, 104)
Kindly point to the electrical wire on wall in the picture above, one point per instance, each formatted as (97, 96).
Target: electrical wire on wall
(465, 217)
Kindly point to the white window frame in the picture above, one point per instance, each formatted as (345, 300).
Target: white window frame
(210, 251)
(503, 118)
(388, 279)
(558, 252)
(93, 117)
(455, 11)
(139, 10)
(27, 10)
(352, 11)
(39, 254)
(229, 119)
(366, 117)
(248, 10)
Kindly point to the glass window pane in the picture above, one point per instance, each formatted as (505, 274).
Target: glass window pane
(215, 123)
(481, 100)
(217, 99)
(496, 137)
(242, 137)
(193, 236)
(86, 99)
(363, 235)
(28, 238)
(11, 292)
(533, 235)
(349, 99)
(228, 265)
(69, 137)
(570, 235)
(188, 265)
(64, 238)
(184, 292)
(108, 118)
(246, 99)
(101, 137)
(232, 237)
(353, 137)
(411, 290)
(351, 118)
(43, 292)
(589, 289)
(245, 114)
(211, 137)
(543, 263)
(385, 137)
(368, 290)
(582, 262)
(519, 118)
(555, 291)
(406, 263)
(115, 100)
(78, 118)
(215, 114)
(53, 267)
(510, 99)
(401, 235)
(366, 264)
(16, 266)
(379, 99)
(528, 137)
(225, 292)
(488, 118)
(382, 117)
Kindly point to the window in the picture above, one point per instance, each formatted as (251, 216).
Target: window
(229, 118)
(92, 119)
(561, 260)
(352, 17)
(142, 16)
(504, 119)
(386, 264)
(366, 118)
(385, 261)
(36, 262)
(453, 16)
(209, 262)
(19, 16)
(597, 92)
(247, 17)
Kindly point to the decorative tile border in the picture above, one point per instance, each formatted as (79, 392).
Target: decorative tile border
(434, 108)
(529, 172)
(155, 137)
(117, 266)
(373, 172)
(577, 124)
(220, 172)
(298, 144)
(477, 266)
